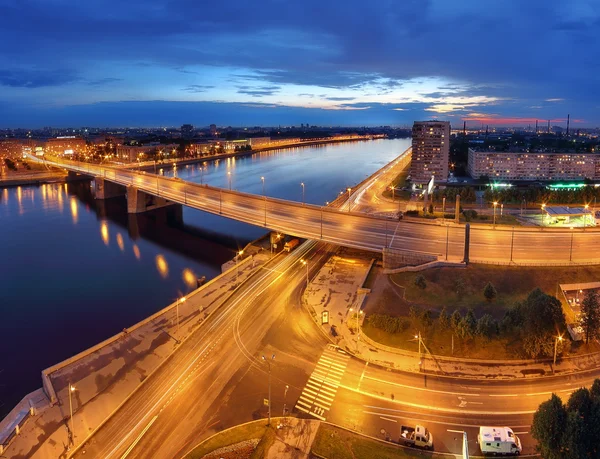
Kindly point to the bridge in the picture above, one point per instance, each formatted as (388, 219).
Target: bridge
(401, 241)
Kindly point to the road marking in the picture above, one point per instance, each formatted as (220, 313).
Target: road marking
(321, 388)
(429, 421)
(422, 388)
(362, 375)
(307, 405)
(139, 437)
(388, 419)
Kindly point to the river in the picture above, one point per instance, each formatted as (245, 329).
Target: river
(75, 271)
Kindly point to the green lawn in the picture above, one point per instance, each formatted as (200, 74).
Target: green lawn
(333, 443)
(512, 283)
(257, 429)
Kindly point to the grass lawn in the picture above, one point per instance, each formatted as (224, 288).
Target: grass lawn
(333, 443)
(257, 429)
(513, 284)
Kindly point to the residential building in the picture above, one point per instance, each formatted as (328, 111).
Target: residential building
(533, 166)
(66, 145)
(430, 151)
(130, 154)
(187, 131)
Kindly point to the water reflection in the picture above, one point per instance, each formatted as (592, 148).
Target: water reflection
(104, 232)
(74, 209)
(162, 266)
(120, 242)
(189, 277)
(136, 251)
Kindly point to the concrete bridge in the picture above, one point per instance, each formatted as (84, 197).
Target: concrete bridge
(401, 242)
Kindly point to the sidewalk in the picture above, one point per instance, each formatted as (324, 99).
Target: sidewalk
(337, 290)
(105, 375)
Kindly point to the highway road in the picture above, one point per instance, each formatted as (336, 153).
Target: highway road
(518, 245)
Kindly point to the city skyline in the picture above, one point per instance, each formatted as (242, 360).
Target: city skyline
(153, 64)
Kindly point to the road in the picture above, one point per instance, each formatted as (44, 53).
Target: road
(173, 407)
(368, 232)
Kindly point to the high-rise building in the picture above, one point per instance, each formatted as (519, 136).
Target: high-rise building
(430, 151)
(187, 131)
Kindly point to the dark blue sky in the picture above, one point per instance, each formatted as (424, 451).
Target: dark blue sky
(239, 62)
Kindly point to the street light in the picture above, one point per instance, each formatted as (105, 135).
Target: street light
(305, 263)
(495, 205)
(542, 213)
(358, 314)
(180, 300)
(349, 190)
(302, 185)
(71, 389)
(587, 206)
(556, 340)
(269, 364)
(237, 269)
(284, 404)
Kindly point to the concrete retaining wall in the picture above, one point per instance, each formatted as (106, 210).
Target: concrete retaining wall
(394, 258)
(47, 384)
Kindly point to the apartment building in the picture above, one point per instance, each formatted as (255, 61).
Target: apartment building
(430, 151)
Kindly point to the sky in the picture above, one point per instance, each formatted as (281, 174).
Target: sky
(281, 62)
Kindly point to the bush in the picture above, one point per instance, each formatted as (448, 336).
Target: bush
(389, 324)
(420, 282)
(489, 292)
(412, 213)
(470, 215)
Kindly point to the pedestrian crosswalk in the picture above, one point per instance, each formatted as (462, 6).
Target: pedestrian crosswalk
(318, 394)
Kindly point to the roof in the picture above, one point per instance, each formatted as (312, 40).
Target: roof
(566, 211)
(496, 434)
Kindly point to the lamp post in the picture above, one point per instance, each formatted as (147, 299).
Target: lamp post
(542, 214)
(305, 263)
(269, 364)
(180, 300)
(302, 185)
(587, 206)
(349, 190)
(237, 268)
(284, 404)
(420, 340)
(556, 340)
(262, 179)
(571, 250)
(71, 390)
(495, 205)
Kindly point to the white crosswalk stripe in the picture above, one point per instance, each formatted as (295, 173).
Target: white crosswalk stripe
(320, 389)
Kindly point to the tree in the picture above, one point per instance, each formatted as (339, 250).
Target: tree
(590, 315)
(548, 427)
(460, 287)
(486, 326)
(455, 320)
(426, 318)
(420, 282)
(414, 313)
(489, 292)
(468, 325)
(444, 319)
(543, 318)
(431, 209)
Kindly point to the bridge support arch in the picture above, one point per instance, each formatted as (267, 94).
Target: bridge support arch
(138, 201)
(104, 189)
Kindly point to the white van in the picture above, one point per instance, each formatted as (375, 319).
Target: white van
(498, 441)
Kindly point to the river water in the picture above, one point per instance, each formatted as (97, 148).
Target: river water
(74, 271)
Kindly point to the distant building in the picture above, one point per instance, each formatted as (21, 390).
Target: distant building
(213, 130)
(533, 166)
(65, 146)
(187, 131)
(430, 151)
(258, 142)
(10, 147)
(130, 154)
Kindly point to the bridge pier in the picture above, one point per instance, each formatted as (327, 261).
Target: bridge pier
(104, 189)
(138, 201)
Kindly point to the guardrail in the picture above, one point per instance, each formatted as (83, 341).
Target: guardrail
(21, 419)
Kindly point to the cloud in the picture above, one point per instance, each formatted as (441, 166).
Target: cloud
(197, 88)
(555, 100)
(258, 91)
(27, 78)
(104, 81)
